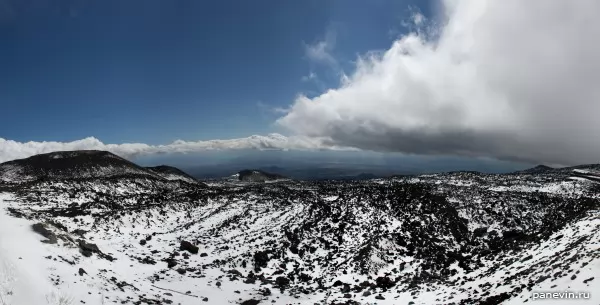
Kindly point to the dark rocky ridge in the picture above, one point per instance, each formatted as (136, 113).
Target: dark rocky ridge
(537, 169)
(171, 173)
(253, 175)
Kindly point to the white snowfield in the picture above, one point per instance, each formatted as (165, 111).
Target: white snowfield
(33, 272)
(23, 272)
(588, 228)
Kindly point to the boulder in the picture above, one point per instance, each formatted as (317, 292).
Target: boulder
(282, 281)
(384, 282)
(41, 229)
(261, 258)
(188, 246)
(87, 249)
(171, 263)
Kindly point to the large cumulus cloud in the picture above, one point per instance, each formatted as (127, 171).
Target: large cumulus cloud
(512, 79)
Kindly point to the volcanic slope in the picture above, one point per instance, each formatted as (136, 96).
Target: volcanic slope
(83, 164)
(172, 173)
(459, 238)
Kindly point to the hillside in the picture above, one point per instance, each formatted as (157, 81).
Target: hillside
(453, 238)
(171, 173)
(249, 175)
(70, 165)
(83, 164)
(537, 169)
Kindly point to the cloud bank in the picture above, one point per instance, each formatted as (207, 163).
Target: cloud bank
(10, 150)
(513, 79)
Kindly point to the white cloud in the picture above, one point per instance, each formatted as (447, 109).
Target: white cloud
(309, 77)
(271, 109)
(418, 18)
(508, 79)
(10, 150)
(320, 51)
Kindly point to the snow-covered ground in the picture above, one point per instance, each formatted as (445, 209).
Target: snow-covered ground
(23, 270)
(435, 239)
(34, 272)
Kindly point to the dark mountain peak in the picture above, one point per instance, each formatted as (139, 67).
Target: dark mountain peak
(537, 169)
(255, 175)
(171, 173)
(542, 167)
(70, 165)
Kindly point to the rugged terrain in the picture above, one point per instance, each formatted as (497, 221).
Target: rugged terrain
(92, 228)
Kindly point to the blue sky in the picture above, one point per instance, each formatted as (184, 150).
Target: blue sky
(157, 71)
(508, 80)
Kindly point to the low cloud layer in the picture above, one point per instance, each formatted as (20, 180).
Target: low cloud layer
(11, 150)
(513, 79)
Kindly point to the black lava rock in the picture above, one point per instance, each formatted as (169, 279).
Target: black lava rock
(384, 282)
(171, 263)
(188, 246)
(282, 281)
(261, 258)
(41, 229)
